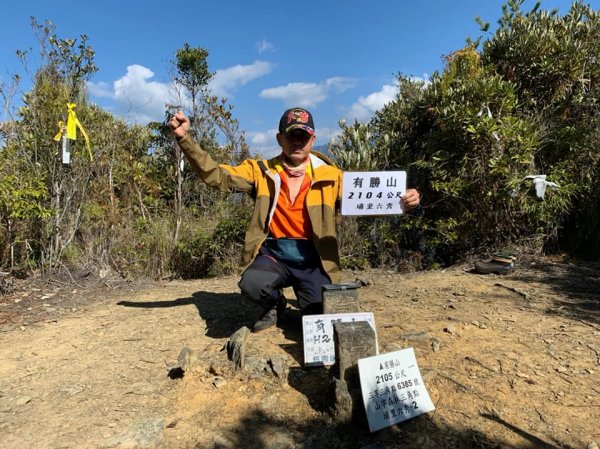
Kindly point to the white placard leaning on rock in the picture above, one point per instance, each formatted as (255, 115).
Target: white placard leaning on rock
(392, 388)
(317, 333)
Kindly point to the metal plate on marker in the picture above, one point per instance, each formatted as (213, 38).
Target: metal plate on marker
(341, 287)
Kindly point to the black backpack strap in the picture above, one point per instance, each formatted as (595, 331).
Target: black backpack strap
(262, 166)
(265, 170)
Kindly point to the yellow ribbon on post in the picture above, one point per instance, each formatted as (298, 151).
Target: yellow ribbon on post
(61, 128)
(72, 124)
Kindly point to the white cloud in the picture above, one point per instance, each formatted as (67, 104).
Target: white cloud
(101, 89)
(264, 143)
(327, 135)
(300, 94)
(308, 94)
(227, 80)
(425, 79)
(262, 139)
(142, 98)
(264, 46)
(365, 107)
(339, 84)
(136, 97)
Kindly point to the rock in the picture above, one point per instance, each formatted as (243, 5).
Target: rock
(22, 400)
(219, 382)
(593, 445)
(279, 367)
(222, 442)
(420, 335)
(236, 347)
(450, 329)
(342, 413)
(436, 345)
(254, 364)
(364, 281)
(187, 358)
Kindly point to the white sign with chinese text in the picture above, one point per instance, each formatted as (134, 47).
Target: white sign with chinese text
(373, 193)
(392, 388)
(317, 332)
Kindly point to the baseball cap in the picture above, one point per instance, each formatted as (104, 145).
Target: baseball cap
(296, 118)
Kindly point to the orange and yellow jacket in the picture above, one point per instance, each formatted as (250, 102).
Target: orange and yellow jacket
(259, 179)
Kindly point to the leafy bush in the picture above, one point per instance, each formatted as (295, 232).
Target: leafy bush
(525, 104)
(206, 251)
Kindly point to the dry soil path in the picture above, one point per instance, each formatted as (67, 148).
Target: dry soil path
(510, 362)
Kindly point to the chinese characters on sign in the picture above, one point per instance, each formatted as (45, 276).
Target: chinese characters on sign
(317, 331)
(392, 388)
(373, 193)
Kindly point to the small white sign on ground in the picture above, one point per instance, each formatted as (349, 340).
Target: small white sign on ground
(373, 193)
(392, 388)
(317, 332)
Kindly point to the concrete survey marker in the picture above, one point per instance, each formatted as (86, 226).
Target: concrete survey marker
(392, 388)
(353, 341)
(317, 332)
(340, 298)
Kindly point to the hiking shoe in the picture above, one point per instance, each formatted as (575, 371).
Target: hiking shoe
(281, 306)
(267, 321)
(494, 266)
(315, 308)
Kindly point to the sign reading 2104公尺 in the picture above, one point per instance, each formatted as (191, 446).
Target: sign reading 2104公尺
(373, 192)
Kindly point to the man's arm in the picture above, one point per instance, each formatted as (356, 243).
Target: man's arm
(221, 176)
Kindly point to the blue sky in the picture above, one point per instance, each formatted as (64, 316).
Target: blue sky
(336, 58)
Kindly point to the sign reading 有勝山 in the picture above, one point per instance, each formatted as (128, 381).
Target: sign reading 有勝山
(392, 388)
(317, 331)
(373, 193)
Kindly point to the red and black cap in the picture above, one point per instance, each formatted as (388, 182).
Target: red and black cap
(296, 118)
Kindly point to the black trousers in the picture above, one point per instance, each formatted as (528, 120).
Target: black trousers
(266, 276)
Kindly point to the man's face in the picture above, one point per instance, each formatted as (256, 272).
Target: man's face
(296, 145)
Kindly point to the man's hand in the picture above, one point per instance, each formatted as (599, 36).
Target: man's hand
(410, 199)
(179, 125)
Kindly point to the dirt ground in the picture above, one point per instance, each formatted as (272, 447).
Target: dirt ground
(509, 361)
